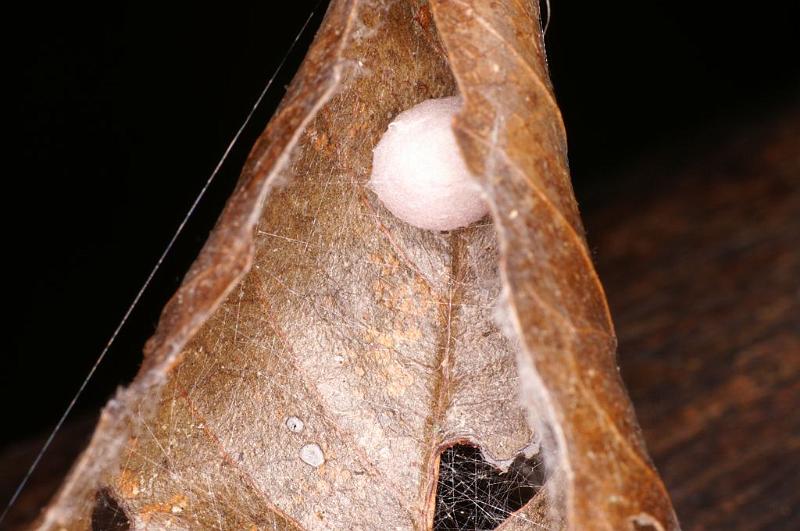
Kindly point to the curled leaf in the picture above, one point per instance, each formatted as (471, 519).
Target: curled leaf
(513, 137)
(321, 354)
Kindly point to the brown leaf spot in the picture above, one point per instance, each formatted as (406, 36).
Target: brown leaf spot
(127, 483)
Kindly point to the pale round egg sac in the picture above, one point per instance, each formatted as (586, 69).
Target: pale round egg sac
(418, 171)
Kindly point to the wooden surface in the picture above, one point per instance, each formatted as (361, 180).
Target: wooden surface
(703, 277)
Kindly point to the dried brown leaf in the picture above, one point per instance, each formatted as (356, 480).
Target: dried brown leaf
(321, 354)
(512, 134)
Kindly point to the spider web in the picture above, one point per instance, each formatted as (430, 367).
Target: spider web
(474, 495)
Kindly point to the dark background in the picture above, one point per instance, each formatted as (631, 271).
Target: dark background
(120, 112)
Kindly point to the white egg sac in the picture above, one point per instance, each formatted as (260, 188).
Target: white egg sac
(418, 172)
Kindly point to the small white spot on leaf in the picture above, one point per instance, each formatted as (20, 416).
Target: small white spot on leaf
(295, 424)
(311, 454)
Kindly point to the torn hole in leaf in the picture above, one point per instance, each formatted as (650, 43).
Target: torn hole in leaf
(107, 513)
(473, 494)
